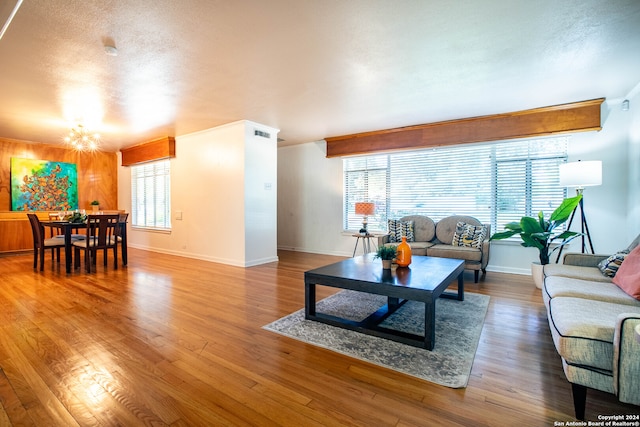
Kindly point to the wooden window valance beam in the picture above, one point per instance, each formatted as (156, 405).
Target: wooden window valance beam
(574, 117)
(158, 149)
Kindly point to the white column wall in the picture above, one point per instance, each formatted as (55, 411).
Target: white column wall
(311, 186)
(260, 195)
(209, 177)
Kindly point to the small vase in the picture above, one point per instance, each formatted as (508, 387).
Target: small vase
(403, 256)
(95, 208)
(386, 264)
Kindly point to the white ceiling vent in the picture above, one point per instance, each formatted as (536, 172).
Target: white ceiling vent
(261, 133)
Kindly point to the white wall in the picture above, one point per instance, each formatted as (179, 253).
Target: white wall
(310, 201)
(218, 184)
(311, 186)
(633, 226)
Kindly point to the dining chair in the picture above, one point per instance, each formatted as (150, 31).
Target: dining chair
(100, 235)
(41, 243)
(121, 235)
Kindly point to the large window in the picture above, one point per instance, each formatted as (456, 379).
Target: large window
(150, 195)
(496, 183)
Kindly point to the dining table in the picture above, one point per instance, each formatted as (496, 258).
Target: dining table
(66, 229)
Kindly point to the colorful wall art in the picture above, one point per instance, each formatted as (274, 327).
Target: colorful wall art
(42, 185)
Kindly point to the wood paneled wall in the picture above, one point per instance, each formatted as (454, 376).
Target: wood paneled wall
(97, 180)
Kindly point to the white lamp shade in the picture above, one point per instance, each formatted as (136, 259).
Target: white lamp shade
(581, 174)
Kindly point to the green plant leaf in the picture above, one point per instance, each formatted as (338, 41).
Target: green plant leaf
(564, 211)
(528, 241)
(386, 252)
(537, 232)
(530, 225)
(515, 226)
(503, 235)
(567, 234)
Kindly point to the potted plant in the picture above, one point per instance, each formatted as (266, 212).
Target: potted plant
(95, 205)
(386, 254)
(539, 232)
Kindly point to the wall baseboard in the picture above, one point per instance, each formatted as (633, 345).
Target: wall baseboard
(509, 270)
(311, 251)
(207, 258)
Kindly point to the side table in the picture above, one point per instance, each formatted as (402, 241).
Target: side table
(366, 243)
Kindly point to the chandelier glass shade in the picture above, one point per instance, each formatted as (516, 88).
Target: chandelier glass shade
(81, 139)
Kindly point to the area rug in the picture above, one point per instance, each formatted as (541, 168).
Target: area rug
(458, 328)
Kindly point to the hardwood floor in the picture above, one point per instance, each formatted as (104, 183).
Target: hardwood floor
(175, 341)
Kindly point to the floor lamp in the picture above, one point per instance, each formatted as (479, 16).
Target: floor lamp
(579, 175)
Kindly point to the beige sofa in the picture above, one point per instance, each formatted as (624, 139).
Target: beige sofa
(592, 322)
(435, 239)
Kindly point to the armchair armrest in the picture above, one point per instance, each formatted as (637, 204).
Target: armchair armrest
(626, 358)
(486, 245)
(583, 260)
(383, 239)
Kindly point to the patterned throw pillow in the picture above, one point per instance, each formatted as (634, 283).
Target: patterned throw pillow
(610, 266)
(398, 228)
(469, 235)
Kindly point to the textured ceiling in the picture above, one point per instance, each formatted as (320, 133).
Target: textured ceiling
(312, 69)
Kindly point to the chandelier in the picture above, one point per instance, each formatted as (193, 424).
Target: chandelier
(81, 139)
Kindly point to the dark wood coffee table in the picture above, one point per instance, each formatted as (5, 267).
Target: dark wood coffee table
(424, 280)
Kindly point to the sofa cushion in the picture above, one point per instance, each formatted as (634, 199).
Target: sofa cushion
(628, 275)
(609, 266)
(458, 252)
(398, 228)
(585, 339)
(446, 227)
(424, 229)
(576, 272)
(469, 235)
(557, 286)
(417, 248)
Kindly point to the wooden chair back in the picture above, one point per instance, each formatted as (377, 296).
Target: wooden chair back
(102, 231)
(40, 242)
(101, 235)
(37, 229)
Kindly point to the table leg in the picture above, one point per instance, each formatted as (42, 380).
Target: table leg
(67, 249)
(461, 287)
(309, 299)
(124, 243)
(356, 247)
(429, 324)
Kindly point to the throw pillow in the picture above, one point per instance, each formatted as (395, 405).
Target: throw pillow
(469, 235)
(633, 244)
(610, 266)
(398, 228)
(628, 276)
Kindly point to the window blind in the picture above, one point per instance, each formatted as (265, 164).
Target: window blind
(150, 195)
(496, 183)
